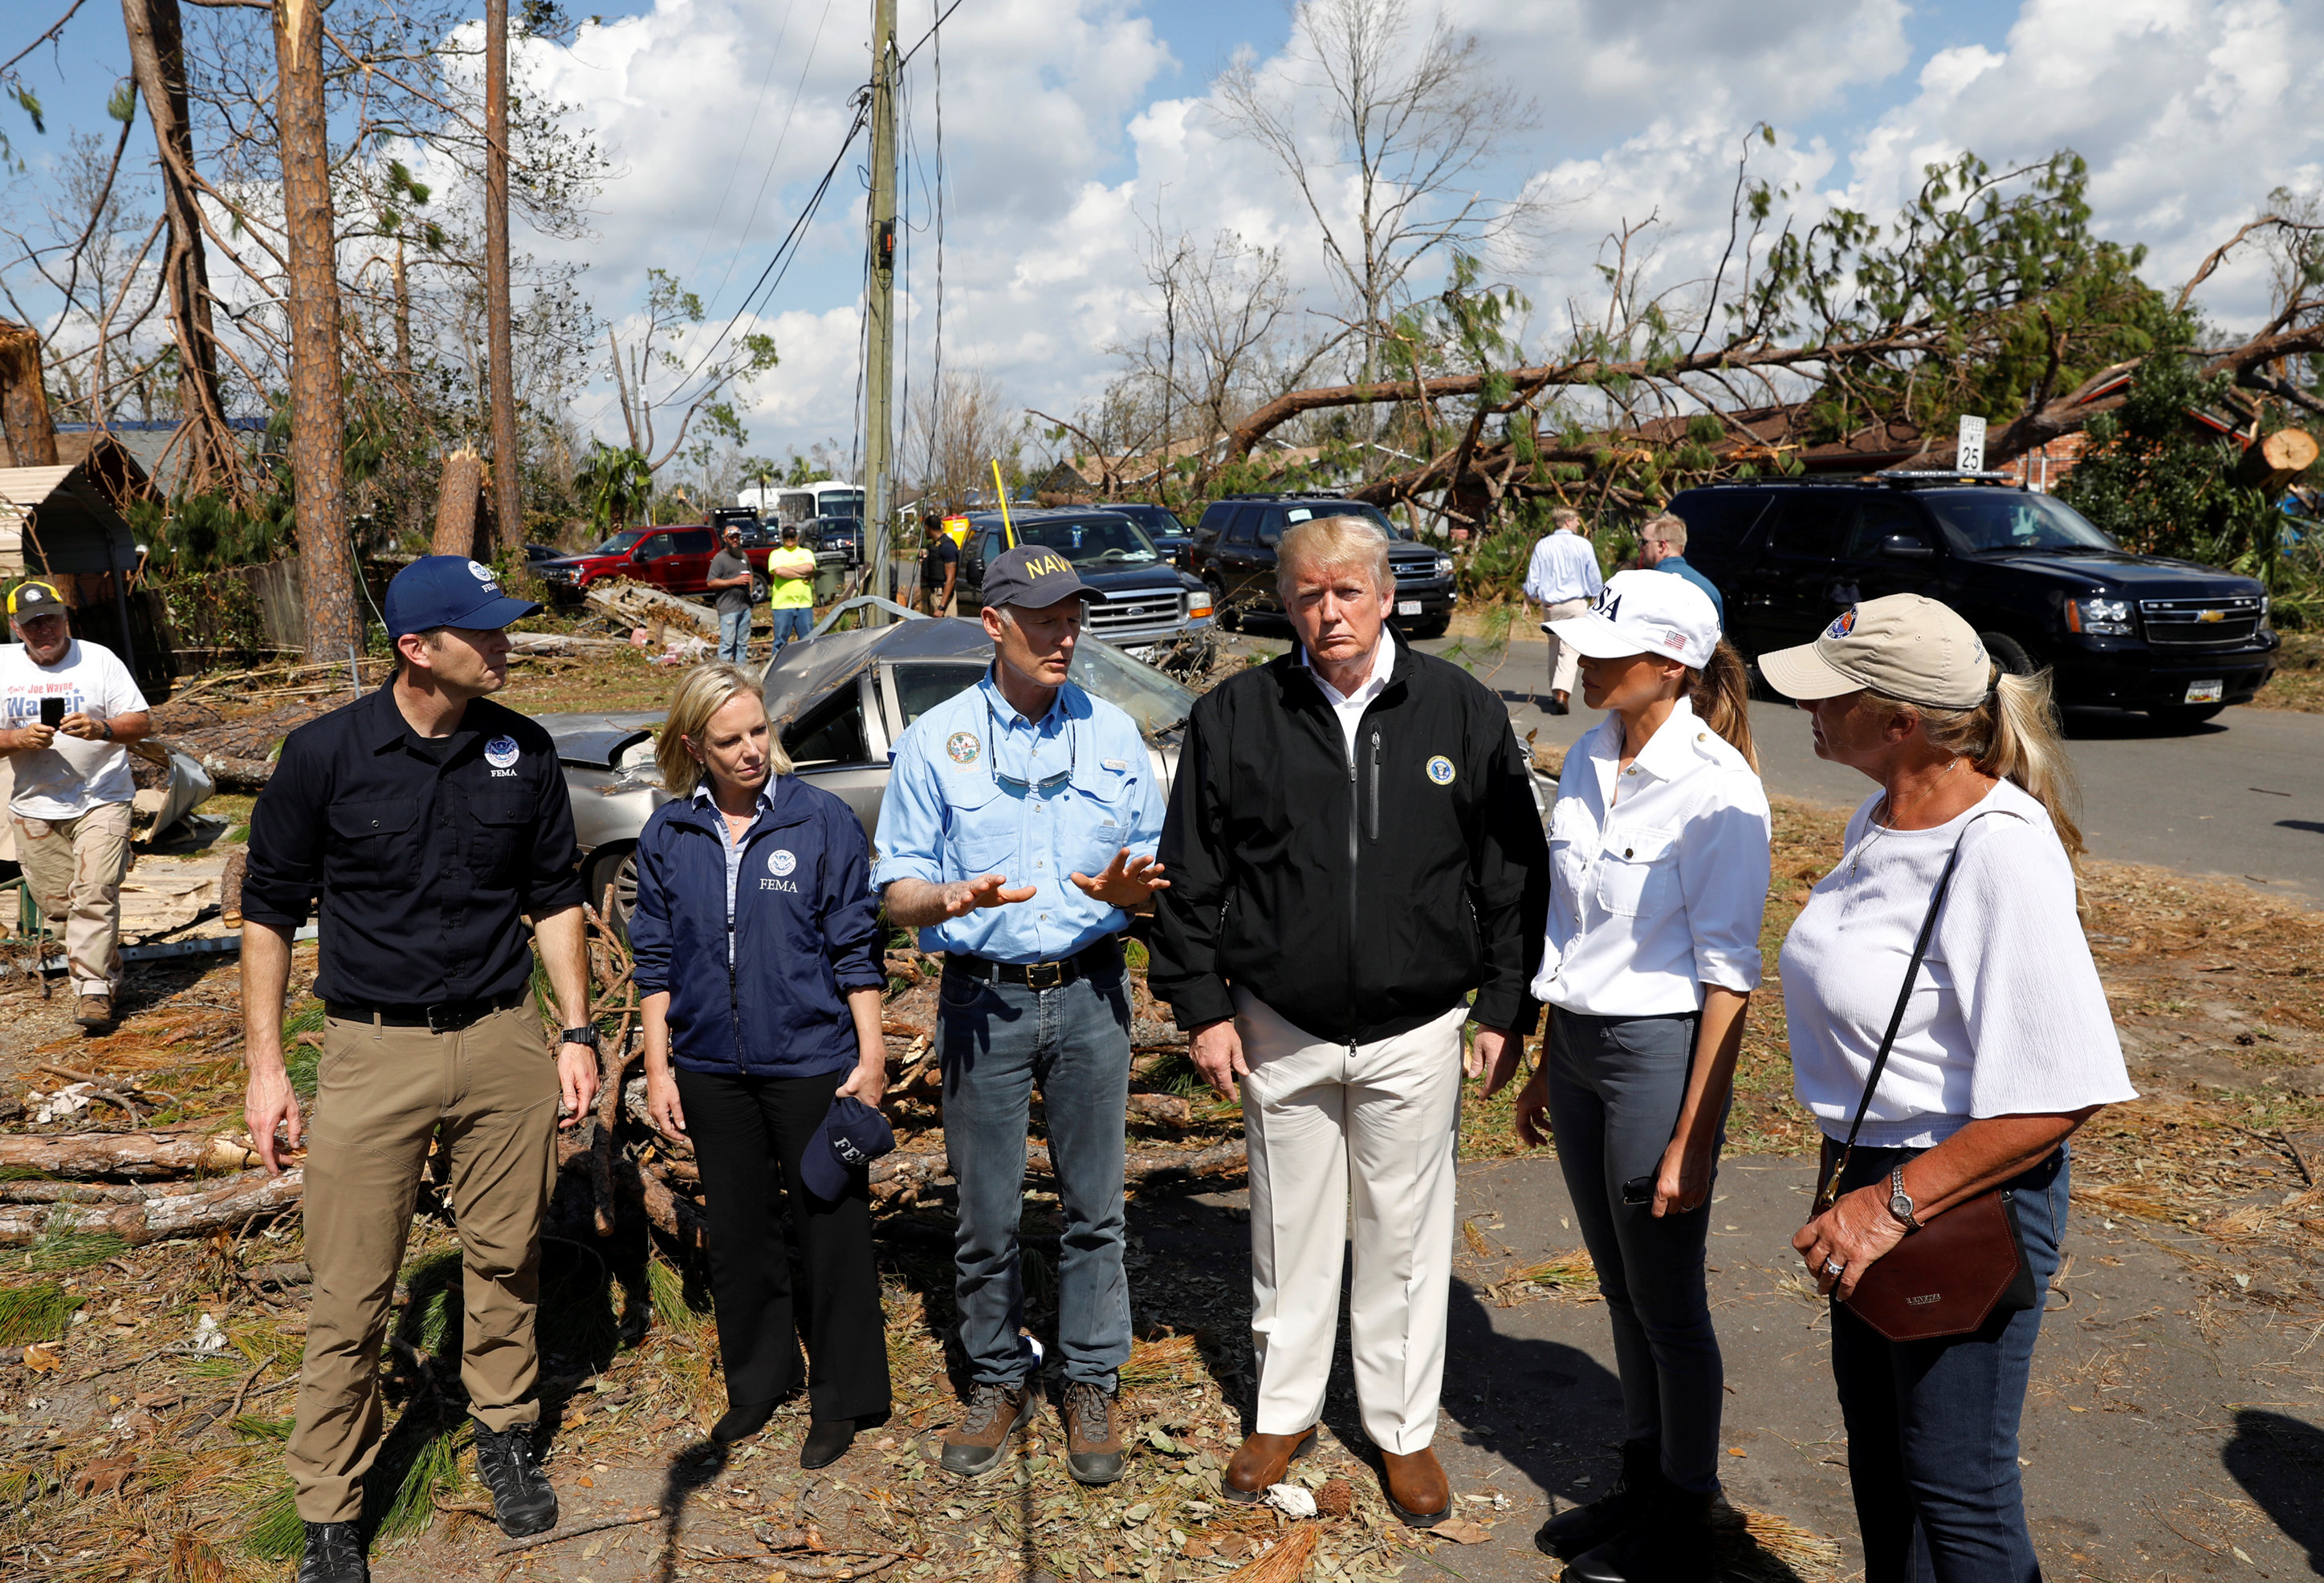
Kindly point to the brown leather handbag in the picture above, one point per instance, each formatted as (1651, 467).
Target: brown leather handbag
(1968, 1263)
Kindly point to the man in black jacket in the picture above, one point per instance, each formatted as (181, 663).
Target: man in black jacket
(1353, 848)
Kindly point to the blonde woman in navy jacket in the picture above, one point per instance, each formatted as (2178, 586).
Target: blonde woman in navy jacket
(757, 945)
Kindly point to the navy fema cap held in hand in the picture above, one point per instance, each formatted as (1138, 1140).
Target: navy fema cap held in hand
(852, 1136)
(450, 591)
(1034, 576)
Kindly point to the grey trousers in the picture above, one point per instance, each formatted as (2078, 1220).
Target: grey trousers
(1615, 1088)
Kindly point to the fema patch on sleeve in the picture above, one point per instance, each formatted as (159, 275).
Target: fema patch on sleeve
(962, 746)
(781, 862)
(1440, 769)
(1844, 625)
(501, 753)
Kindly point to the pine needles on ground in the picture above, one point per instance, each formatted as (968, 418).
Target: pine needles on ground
(60, 1248)
(41, 1312)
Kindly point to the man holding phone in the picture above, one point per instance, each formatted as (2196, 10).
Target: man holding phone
(70, 709)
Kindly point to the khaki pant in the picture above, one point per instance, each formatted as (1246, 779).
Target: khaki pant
(1327, 1125)
(1564, 658)
(383, 1093)
(74, 868)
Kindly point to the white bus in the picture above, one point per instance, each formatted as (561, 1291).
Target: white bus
(803, 502)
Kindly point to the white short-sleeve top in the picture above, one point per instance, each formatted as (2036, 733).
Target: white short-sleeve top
(1657, 873)
(2006, 1018)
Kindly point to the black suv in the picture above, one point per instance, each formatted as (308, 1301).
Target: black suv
(1234, 555)
(1148, 602)
(2041, 586)
(1162, 526)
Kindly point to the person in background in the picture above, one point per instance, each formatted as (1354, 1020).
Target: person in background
(1662, 548)
(757, 943)
(2004, 1046)
(423, 823)
(1017, 835)
(1563, 579)
(1658, 863)
(73, 791)
(791, 569)
(729, 578)
(940, 569)
(1354, 851)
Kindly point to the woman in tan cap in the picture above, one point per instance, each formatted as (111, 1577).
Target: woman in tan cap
(1944, 1012)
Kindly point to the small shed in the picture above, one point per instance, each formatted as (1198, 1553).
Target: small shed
(65, 524)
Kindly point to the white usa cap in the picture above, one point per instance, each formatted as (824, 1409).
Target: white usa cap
(1646, 612)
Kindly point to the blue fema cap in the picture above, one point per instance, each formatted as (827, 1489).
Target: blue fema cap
(449, 591)
(852, 1136)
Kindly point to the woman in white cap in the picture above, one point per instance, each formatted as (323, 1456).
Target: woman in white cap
(1658, 876)
(1949, 1032)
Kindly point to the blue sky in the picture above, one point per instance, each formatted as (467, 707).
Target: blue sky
(1067, 120)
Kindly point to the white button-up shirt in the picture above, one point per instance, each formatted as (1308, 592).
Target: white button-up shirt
(1658, 873)
(1563, 567)
(1351, 706)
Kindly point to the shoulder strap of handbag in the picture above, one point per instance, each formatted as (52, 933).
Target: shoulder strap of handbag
(1831, 1193)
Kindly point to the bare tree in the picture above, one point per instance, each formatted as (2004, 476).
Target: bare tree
(508, 487)
(658, 370)
(1412, 114)
(955, 429)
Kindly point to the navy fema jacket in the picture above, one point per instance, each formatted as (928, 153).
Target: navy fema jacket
(806, 932)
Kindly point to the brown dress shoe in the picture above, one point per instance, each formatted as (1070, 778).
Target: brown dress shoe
(1260, 1463)
(1416, 1488)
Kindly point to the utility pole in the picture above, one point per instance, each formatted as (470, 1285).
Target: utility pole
(508, 487)
(879, 307)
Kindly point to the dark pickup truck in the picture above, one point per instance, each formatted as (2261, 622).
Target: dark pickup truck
(1149, 603)
(2042, 585)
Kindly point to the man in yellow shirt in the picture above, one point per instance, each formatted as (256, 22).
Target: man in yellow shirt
(791, 570)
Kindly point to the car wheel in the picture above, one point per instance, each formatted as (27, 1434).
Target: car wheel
(2008, 653)
(1227, 617)
(2184, 715)
(760, 589)
(615, 867)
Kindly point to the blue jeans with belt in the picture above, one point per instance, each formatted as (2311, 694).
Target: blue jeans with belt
(1616, 1084)
(734, 635)
(1932, 1425)
(998, 1041)
(792, 620)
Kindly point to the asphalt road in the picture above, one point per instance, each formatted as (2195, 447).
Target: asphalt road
(2240, 798)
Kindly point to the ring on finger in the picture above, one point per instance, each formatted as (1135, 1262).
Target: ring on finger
(1834, 1268)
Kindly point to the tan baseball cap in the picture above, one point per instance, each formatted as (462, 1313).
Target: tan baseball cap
(1903, 647)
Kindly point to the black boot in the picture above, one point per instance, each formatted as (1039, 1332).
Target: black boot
(1585, 1528)
(826, 1442)
(1672, 1542)
(333, 1554)
(740, 1424)
(522, 1501)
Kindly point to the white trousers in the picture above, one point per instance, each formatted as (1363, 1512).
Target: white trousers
(1564, 658)
(1326, 1125)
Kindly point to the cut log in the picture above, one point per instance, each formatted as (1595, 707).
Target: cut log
(232, 1202)
(136, 1155)
(2276, 460)
(237, 775)
(237, 864)
(907, 1176)
(1162, 1109)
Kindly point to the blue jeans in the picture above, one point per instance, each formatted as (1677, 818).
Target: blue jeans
(734, 635)
(792, 620)
(998, 1040)
(1616, 1085)
(1932, 1425)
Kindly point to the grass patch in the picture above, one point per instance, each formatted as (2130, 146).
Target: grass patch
(2298, 679)
(41, 1312)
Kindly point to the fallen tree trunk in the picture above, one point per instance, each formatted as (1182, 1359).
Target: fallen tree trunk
(137, 1156)
(239, 1199)
(906, 1177)
(236, 775)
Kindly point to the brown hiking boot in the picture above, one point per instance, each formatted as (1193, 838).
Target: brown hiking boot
(978, 1442)
(1092, 1433)
(93, 1011)
(1260, 1464)
(1417, 1490)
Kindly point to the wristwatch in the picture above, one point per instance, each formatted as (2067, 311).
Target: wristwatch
(580, 1035)
(1900, 1203)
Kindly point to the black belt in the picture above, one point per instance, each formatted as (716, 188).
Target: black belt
(1041, 975)
(447, 1016)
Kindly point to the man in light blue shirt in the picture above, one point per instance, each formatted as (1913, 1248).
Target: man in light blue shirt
(1016, 834)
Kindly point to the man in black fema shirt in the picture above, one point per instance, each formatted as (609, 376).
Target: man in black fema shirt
(428, 820)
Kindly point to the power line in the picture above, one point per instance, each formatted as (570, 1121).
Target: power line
(929, 34)
(798, 90)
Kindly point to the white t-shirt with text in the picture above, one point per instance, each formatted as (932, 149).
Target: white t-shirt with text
(67, 780)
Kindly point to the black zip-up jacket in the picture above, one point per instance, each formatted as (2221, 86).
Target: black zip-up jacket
(1358, 901)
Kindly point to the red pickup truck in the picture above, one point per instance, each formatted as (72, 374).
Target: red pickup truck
(676, 560)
